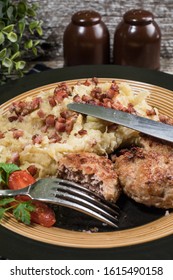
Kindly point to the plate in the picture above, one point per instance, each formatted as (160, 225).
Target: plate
(138, 224)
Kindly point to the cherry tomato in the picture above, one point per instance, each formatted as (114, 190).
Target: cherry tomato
(43, 214)
(20, 179)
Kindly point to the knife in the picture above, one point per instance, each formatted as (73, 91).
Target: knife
(141, 124)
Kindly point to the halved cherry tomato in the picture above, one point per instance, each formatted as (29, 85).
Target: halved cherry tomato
(43, 214)
(20, 179)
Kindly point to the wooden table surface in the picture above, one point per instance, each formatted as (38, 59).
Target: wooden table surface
(56, 14)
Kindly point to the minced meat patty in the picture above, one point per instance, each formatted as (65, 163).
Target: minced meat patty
(146, 172)
(96, 173)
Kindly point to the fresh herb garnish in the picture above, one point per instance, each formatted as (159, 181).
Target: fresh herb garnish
(20, 210)
(5, 170)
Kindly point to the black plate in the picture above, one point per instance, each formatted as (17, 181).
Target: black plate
(14, 246)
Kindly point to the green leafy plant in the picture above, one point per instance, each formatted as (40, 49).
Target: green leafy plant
(19, 32)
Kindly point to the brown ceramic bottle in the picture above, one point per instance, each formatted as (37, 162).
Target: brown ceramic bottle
(86, 40)
(137, 40)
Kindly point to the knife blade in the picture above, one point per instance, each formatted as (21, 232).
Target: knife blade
(141, 124)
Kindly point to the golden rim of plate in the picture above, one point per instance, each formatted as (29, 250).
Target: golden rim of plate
(160, 98)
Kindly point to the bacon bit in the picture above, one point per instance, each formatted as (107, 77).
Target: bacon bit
(41, 114)
(12, 118)
(32, 169)
(17, 134)
(54, 138)
(61, 92)
(66, 114)
(60, 95)
(60, 127)
(23, 108)
(44, 129)
(61, 120)
(20, 118)
(77, 98)
(52, 101)
(107, 103)
(151, 112)
(95, 80)
(112, 127)
(65, 122)
(87, 83)
(95, 102)
(50, 121)
(111, 93)
(69, 126)
(166, 119)
(37, 139)
(118, 106)
(82, 132)
(114, 86)
(131, 108)
(96, 92)
(86, 98)
(1, 135)
(15, 158)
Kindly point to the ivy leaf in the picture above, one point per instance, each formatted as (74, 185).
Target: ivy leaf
(3, 53)
(33, 26)
(34, 50)
(10, 12)
(21, 9)
(29, 44)
(12, 37)
(15, 55)
(20, 65)
(2, 24)
(2, 38)
(15, 47)
(36, 43)
(39, 30)
(8, 28)
(21, 26)
(31, 12)
(6, 62)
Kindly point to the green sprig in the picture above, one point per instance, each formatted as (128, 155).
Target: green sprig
(20, 210)
(5, 170)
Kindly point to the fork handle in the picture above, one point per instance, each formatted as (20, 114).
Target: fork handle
(8, 192)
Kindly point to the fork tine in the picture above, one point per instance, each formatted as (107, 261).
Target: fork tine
(84, 209)
(74, 187)
(97, 209)
(89, 196)
(110, 220)
(78, 197)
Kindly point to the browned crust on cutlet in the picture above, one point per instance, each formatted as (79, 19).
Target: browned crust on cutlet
(92, 171)
(146, 172)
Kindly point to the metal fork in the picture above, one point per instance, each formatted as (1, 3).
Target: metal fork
(69, 194)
